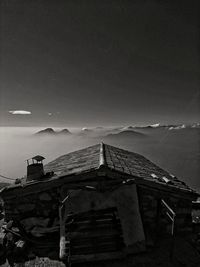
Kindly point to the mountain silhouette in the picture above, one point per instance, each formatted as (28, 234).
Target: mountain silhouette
(50, 131)
(126, 134)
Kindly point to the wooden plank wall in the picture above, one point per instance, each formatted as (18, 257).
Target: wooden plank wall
(149, 207)
(93, 233)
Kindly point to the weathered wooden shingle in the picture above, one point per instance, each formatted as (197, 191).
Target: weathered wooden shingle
(138, 166)
(76, 162)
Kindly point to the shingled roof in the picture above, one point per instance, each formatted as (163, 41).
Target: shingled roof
(115, 159)
(128, 165)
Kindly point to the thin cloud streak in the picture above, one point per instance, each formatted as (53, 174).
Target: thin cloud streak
(20, 112)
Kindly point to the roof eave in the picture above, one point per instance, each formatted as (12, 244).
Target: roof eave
(156, 185)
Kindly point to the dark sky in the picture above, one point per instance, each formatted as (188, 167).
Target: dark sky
(82, 63)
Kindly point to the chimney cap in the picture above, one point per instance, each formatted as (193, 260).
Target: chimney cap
(38, 158)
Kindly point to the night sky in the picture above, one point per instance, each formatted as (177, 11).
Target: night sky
(83, 63)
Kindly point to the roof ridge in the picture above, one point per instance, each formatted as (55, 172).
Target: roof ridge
(102, 158)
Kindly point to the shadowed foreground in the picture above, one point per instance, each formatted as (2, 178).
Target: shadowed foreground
(184, 255)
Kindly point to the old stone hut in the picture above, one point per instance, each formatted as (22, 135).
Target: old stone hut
(98, 203)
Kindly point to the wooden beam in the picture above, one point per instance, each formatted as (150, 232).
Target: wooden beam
(91, 176)
(102, 161)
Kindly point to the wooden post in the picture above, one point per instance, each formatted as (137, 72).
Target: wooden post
(62, 233)
(62, 253)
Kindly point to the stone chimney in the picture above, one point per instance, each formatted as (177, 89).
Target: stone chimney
(35, 169)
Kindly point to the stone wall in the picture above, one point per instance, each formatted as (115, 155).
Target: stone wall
(38, 215)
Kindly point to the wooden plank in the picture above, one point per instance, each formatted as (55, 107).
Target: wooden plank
(97, 257)
(94, 212)
(89, 224)
(167, 208)
(86, 227)
(99, 233)
(93, 218)
(91, 221)
(96, 244)
(95, 250)
(84, 241)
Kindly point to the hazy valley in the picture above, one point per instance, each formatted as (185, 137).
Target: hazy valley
(174, 147)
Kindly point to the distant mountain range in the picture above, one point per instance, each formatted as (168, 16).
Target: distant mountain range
(126, 134)
(159, 126)
(184, 126)
(127, 131)
(50, 131)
